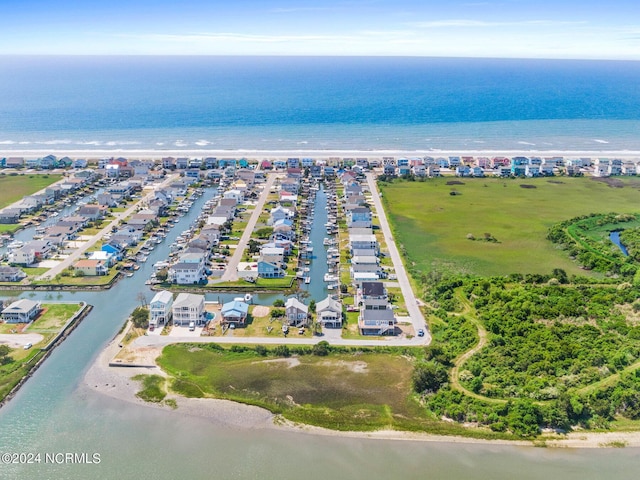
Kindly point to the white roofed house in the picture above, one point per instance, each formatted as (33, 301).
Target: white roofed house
(329, 312)
(363, 242)
(279, 213)
(296, 312)
(160, 308)
(189, 270)
(21, 311)
(187, 308)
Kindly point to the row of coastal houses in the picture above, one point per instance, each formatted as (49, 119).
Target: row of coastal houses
(376, 316)
(31, 204)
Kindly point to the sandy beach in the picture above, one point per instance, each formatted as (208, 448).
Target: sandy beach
(116, 382)
(145, 154)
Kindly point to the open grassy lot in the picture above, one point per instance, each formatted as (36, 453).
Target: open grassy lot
(14, 187)
(53, 317)
(431, 226)
(358, 390)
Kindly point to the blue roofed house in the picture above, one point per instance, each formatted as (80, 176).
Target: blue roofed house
(269, 270)
(235, 312)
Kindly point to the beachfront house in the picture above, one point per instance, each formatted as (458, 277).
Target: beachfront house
(329, 312)
(160, 308)
(296, 312)
(21, 311)
(187, 308)
(235, 312)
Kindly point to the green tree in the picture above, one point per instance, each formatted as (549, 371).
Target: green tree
(429, 377)
(5, 350)
(321, 349)
(282, 351)
(278, 302)
(140, 317)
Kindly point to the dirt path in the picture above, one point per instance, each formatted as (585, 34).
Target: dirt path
(469, 312)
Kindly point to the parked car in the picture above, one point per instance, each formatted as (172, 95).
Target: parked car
(28, 346)
(420, 332)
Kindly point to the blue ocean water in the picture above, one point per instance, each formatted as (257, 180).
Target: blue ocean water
(318, 103)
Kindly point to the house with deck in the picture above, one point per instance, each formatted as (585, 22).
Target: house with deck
(235, 313)
(21, 311)
(187, 308)
(11, 274)
(296, 312)
(270, 270)
(329, 312)
(91, 268)
(161, 308)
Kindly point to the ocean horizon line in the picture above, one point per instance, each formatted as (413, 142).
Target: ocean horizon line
(158, 153)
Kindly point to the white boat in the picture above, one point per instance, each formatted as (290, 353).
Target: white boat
(248, 297)
(307, 280)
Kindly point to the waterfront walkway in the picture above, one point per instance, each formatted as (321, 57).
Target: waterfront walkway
(417, 319)
(231, 272)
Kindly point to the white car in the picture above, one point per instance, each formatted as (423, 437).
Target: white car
(28, 346)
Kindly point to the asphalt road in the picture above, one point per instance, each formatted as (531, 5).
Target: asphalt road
(417, 319)
(231, 272)
(79, 252)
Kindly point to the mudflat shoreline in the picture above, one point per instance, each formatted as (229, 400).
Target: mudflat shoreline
(116, 383)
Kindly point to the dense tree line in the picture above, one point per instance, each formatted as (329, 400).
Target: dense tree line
(599, 254)
(548, 343)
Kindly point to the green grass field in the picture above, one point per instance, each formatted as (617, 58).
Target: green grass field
(431, 226)
(14, 187)
(48, 324)
(343, 391)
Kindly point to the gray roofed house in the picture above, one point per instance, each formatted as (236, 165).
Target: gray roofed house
(377, 322)
(297, 313)
(11, 274)
(373, 290)
(329, 312)
(21, 311)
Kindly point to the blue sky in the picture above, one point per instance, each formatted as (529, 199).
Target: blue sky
(469, 28)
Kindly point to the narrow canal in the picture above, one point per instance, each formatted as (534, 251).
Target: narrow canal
(318, 288)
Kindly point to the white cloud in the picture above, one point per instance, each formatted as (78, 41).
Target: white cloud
(466, 23)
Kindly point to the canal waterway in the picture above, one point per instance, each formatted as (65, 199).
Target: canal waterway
(317, 288)
(55, 413)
